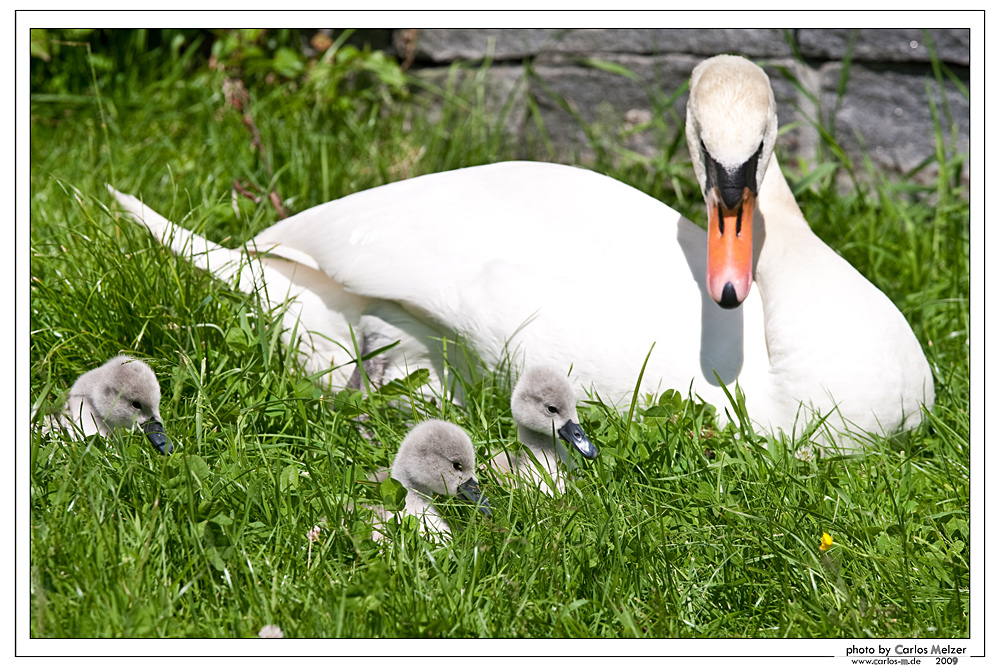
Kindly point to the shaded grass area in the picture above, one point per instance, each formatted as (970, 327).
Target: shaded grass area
(678, 529)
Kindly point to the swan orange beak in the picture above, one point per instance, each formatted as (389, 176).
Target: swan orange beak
(730, 249)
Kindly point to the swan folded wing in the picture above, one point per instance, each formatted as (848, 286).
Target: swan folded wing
(483, 249)
(403, 240)
(281, 251)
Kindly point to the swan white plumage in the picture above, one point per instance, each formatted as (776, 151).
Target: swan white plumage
(435, 458)
(122, 393)
(558, 265)
(543, 404)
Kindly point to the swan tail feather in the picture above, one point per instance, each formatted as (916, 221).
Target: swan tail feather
(223, 263)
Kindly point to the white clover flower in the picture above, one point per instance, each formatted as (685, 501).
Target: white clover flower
(271, 632)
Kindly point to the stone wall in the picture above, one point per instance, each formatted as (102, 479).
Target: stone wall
(616, 78)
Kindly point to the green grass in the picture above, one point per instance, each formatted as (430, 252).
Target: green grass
(678, 529)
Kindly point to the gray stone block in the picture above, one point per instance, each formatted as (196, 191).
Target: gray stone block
(612, 103)
(891, 112)
(501, 89)
(444, 45)
(600, 89)
(753, 43)
(886, 44)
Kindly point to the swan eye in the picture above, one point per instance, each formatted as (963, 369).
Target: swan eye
(553, 409)
(456, 465)
(137, 405)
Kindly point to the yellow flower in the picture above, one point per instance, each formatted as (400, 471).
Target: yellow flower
(825, 542)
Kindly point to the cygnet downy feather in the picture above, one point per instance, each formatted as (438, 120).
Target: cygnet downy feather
(544, 407)
(435, 457)
(122, 393)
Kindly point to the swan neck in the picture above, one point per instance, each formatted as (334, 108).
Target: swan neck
(417, 500)
(81, 410)
(776, 201)
(543, 446)
(404, 478)
(779, 229)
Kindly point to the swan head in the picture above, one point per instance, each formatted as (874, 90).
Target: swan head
(437, 457)
(124, 392)
(543, 401)
(732, 124)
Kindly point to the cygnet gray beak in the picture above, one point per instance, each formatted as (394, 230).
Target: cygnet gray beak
(470, 491)
(574, 435)
(156, 435)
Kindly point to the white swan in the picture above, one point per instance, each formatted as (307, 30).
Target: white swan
(544, 408)
(560, 265)
(122, 393)
(435, 458)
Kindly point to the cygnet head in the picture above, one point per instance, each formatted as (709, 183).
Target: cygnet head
(437, 457)
(732, 125)
(543, 401)
(124, 392)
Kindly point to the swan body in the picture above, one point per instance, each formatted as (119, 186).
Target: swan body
(122, 393)
(543, 404)
(435, 458)
(555, 265)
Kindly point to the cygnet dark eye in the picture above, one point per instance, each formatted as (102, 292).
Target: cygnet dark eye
(137, 405)
(456, 465)
(553, 409)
